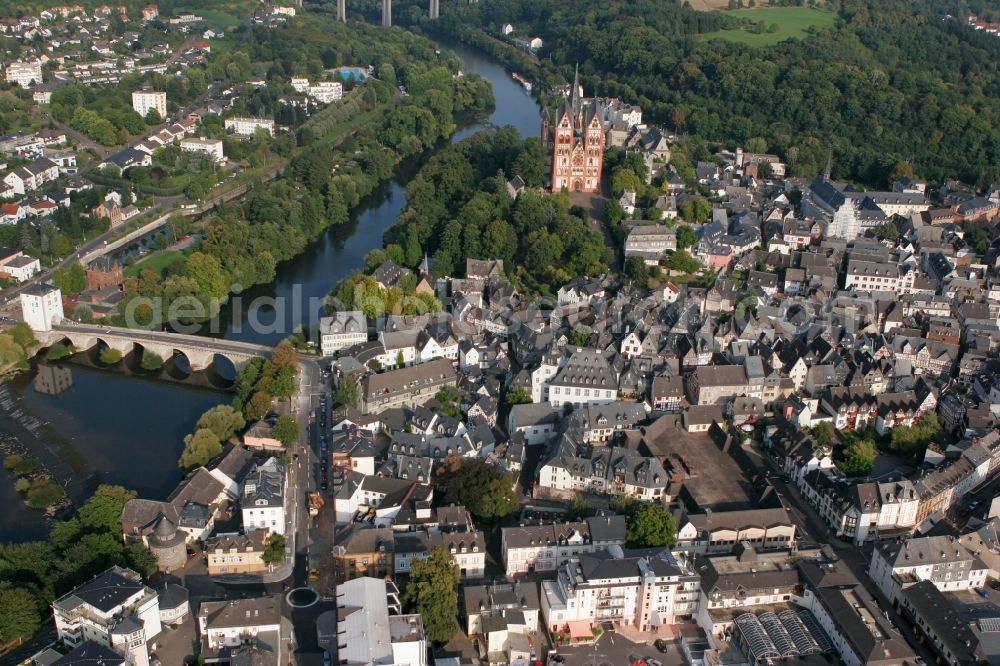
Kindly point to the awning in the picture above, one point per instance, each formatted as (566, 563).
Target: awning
(580, 629)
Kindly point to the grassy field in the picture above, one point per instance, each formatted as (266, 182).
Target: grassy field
(158, 262)
(792, 23)
(214, 18)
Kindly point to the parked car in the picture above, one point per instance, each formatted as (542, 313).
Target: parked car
(660, 644)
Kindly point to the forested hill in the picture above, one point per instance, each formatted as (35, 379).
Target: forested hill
(889, 82)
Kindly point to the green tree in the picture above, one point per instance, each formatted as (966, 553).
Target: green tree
(23, 335)
(27, 466)
(348, 392)
(650, 526)
(696, 209)
(686, 237)
(153, 117)
(44, 493)
(886, 231)
(400, 360)
(286, 430)
(103, 511)
(70, 280)
(682, 261)
(110, 356)
(11, 353)
(59, 351)
(580, 335)
(858, 461)
(150, 360)
(274, 552)
(823, 433)
(200, 448)
(518, 396)
(635, 270)
(223, 421)
(11, 461)
(258, 406)
(207, 272)
(912, 440)
(432, 591)
(486, 491)
(578, 508)
(20, 618)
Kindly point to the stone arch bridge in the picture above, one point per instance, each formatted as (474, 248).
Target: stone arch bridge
(199, 351)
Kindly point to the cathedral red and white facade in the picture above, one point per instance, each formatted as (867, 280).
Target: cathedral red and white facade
(577, 140)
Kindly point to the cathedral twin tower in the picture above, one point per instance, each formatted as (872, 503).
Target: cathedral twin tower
(577, 141)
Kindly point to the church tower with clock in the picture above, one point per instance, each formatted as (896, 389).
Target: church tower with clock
(577, 140)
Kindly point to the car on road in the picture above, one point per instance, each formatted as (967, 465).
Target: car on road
(660, 644)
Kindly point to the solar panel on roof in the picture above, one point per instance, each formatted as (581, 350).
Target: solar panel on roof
(989, 624)
(779, 636)
(816, 631)
(756, 638)
(798, 632)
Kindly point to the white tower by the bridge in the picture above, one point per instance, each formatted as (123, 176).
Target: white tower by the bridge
(41, 306)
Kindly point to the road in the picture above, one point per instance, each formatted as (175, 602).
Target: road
(102, 151)
(856, 558)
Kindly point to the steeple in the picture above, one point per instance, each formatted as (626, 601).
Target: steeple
(575, 93)
(425, 266)
(829, 166)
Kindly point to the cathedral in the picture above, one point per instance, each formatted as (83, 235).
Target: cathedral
(577, 141)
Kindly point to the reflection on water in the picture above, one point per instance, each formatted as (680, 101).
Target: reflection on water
(52, 379)
(96, 426)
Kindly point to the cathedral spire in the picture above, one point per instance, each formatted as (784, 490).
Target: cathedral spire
(829, 166)
(575, 93)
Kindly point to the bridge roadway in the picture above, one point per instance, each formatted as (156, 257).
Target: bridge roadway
(199, 350)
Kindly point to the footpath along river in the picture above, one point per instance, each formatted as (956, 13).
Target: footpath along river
(99, 426)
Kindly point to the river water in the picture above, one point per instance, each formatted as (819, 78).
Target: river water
(341, 250)
(113, 428)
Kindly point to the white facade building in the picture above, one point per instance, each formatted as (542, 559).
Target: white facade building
(144, 100)
(342, 330)
(20, 267)
(536, 548)
(114, 609)
(211, 147)
(25, 73)
(247, 127)
(41, 306)
(263, 498)
(229, 623)
(643, 591)
(325, 92)
(370, 629)
(940, 559)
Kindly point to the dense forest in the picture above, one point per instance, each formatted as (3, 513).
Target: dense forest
(325, 178)
(891, 83)
(458, 206)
